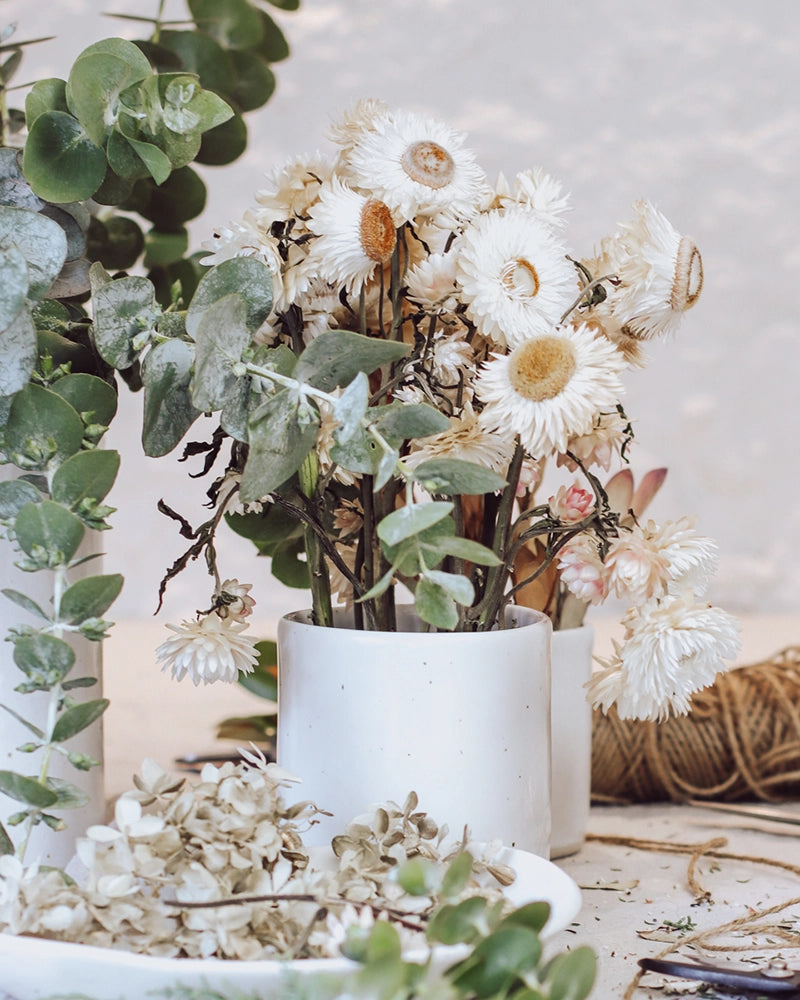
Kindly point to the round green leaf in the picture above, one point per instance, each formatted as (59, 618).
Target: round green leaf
(286, 4)
(89, 395)
(42, 426)
(115, 189)
(435, 606)
(273, 45)
(123, 160)
(163, 248)
(223, 144)
(244, 275)
(60, 161)
(571, 974)
(50, 527)
(88, 475)
(90, 598)
(235, 24)
(123, 309)
(97, 78)
(116, 242)
(45, 95)
(180, 198)
(14, 494)
(74, 221)
(289, 565)
(14, 189)
(41, 242)
(201, 54)
(255, 81)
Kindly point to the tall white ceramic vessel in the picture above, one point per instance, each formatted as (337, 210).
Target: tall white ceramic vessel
(462, 719)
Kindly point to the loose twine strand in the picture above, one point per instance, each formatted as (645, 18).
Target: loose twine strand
(740, 740)
(751, 923)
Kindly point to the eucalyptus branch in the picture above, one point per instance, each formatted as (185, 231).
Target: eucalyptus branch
(586, 290)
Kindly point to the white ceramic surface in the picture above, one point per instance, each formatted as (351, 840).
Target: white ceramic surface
(571, 721)
(36, 969)
(45, 845)
(462, 719)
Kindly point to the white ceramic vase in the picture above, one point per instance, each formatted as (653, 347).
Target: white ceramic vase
(571, 719)
(45, 845)
(462, 719)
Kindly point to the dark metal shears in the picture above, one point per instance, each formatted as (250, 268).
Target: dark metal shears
(773, 980)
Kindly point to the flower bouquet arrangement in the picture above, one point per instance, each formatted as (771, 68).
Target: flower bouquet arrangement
(397, 353)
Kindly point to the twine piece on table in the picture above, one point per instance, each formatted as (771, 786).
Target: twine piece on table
(741, 739)
(754, 924)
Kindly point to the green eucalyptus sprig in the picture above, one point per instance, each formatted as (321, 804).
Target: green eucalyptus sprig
(269, 401)
(108, 154)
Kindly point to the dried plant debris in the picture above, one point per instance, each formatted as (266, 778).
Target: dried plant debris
(218, 868)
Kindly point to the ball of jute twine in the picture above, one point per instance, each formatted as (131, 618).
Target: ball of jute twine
(741, 739)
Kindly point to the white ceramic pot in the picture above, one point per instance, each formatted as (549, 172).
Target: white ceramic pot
(462, 719)
(571, 719)
(45, 845)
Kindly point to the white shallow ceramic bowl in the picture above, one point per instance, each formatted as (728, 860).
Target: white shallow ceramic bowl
(36, 969)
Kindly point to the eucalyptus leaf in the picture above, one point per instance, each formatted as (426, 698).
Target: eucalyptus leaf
(41, 242)
(434, 605)
(88, 395)
(411, 520)
(98, 77)
(458, 923)
(457, 874)
(404, 421)
(68, 796)
(45, 95)
(255, 81)
(201, 54)
(273, 45)
(168, 408)
(44, 655)
(89, 598)
(156, 162)
(466, 549)
(289, 565)
(497, 962)
(164, 248)
(351, 407)
(235, 24)
(279, 441)
(28, 725)
(223, 144)
(50, 527)
(42, 427)
(123, 310)
(534, 916)
(61, 161)
(24, 602)
(387, 465)
(222, 336)
(6, 846)
(453, 584)
(13, 287)
(27, 790)
(245, 276)
(14, 494)
(263, 680)
(335, 357)
(88, 475)
(19, 345)
(570, 975)
(452, 476)
(77, 718)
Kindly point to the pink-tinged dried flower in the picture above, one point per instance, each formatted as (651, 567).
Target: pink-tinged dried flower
(233, 600)
(637, 569)
(211, 649)
(582, 570)
(673, 647)
(572, 504)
